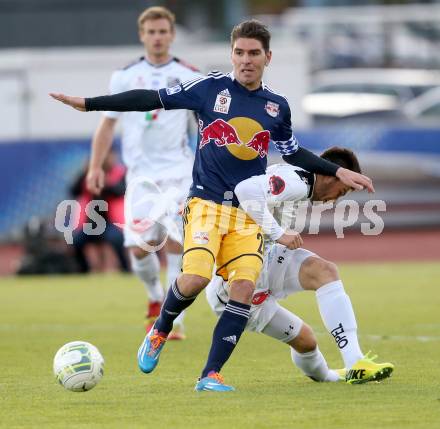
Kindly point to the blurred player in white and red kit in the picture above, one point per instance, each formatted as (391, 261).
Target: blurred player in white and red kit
(156, 152)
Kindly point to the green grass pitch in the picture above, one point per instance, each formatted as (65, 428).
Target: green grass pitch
(398, 312)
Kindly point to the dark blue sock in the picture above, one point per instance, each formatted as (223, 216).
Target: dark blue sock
(173, 305)
(226, 334)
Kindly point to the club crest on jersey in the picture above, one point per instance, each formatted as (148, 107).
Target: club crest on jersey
(201, 237)
(260, 297)
(272, 109)
(173, 90)
(277, 185)
(223, 101)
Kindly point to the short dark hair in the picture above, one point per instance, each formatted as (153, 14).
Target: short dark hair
(343, 157)
(251, 29)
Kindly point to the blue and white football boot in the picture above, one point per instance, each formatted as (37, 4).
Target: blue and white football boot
(149, 351)
(213, 382)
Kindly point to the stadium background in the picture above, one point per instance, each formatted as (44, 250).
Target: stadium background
(65, 46)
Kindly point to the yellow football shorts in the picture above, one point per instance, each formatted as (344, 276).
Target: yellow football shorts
(222, 235)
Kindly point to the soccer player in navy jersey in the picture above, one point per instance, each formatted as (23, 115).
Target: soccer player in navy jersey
(238, 116)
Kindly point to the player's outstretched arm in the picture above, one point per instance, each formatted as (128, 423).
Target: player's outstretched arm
(250, 193)
(136, 100)
(252, 197)
(77, 103)
(309, 161)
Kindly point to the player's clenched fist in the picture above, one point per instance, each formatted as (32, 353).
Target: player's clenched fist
(291, 239)
(78, 103)
(95, 180)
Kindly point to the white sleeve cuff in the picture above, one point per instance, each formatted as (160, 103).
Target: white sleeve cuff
(276, 232)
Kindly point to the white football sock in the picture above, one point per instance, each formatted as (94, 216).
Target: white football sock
(174, 265)
(339, 319)
(148, 270)
(313, 364)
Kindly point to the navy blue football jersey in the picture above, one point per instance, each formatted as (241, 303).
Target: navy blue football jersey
(235, 128)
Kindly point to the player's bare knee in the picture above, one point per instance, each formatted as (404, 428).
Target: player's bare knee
(138, 252)
(191, 284)
(316, 272)
(328, 273)
(242, 291)
(305, 341)
(174, 247)
(308, 273)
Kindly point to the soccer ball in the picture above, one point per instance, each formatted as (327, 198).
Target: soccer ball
(78, 366)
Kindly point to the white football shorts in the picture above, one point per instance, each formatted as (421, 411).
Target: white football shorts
(279, 279)
(152, 210)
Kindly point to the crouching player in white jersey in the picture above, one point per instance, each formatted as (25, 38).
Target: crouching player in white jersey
(288, 271)
(158, 159)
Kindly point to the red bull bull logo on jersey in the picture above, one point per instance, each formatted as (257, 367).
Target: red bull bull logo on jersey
(260, 143)
(220, 132)
(243, 137)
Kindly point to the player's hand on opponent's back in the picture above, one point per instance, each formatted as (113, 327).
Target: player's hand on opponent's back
(291, 239)
(355, 180)
(95, 180)
(78, 103)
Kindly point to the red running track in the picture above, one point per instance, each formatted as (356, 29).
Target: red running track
(393, 245)
(397, 245)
